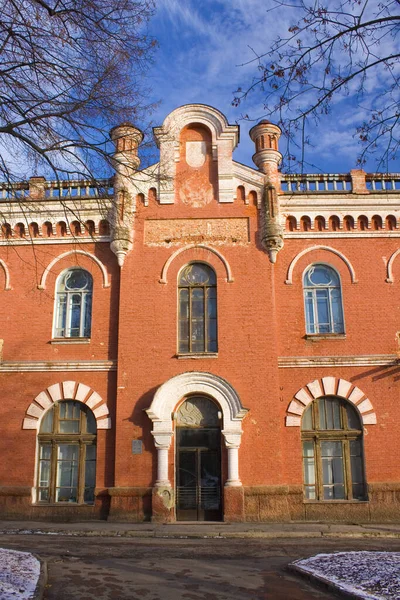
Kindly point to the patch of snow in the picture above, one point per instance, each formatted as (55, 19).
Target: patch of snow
(369, 575)
(19, 574)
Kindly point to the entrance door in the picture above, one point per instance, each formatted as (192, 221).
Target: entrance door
(198, 468)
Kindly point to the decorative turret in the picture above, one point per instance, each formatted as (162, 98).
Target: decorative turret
(267, 157)
(126, 162)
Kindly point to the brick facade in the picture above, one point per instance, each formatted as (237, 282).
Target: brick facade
(260, 231)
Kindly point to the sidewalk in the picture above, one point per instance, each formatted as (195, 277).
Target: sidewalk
(202, 530)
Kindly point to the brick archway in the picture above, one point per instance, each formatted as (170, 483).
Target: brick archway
(67, 390)
(329, 386)
(289, 277)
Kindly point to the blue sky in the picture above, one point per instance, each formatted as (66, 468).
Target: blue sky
(203, 46)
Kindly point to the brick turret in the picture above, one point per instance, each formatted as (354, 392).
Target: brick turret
(267, 157)
(126, 161)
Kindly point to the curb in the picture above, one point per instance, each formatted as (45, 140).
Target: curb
(42, 581)
(204, 535)
(322, 582)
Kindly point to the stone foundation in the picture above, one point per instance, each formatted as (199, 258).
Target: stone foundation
(130, 504)
(241, 504)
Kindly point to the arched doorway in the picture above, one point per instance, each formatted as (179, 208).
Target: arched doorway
(198, 460)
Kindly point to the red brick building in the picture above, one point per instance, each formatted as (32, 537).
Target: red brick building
(201, 339)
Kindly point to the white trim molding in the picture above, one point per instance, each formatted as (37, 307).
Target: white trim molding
(389, 267)
(329, 386)
(7, 285)
(367, 360)
(66, 390)
(289, 278)
(28, 366)
(106, 283)
(174, 391)
(164, 272)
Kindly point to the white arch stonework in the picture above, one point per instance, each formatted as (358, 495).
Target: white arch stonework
(7, 285)
(329, 386)
(389, 266)
(106, 283)
(289, 278)
(67, 390)
(164, 404)
(164, 272)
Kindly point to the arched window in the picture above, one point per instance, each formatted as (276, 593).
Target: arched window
(323, 300)
(332, 451)
(67, 454)
(74, 304)
(197, 309)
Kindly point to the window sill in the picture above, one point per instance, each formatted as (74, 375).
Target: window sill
(316, 337)
(71, 340)
(197, 355)
(335, 501)
(63, 504)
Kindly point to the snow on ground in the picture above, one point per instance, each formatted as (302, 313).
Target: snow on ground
(369, 575)
(19, 574)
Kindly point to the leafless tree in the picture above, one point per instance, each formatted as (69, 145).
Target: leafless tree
(349, 48)
(69, 71)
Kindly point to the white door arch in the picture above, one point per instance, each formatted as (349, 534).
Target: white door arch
(179, 387)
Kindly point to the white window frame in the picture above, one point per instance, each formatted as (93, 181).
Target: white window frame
(313, 289)
(85, 295)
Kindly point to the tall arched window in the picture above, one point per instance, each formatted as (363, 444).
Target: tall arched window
(67, 454)
(333, 464)
(197, 307)
(323, 300)
(74, 304)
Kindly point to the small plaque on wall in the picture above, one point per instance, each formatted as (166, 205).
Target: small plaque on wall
(137, 446)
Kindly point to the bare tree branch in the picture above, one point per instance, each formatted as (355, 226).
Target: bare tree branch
(350, 50)
(70, 70)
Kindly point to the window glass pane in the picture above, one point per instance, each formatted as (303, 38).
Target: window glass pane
(212, 303)
(46, 425)
(357, 469)
(332, 470)
(90, 474)
(324, 325)
(329, 413)
(310, 319)
(353, 420)
(309, 467)
(75, 302)
(183, 320)
(306, 422)
(309, 493)
(198, 302)
(77, 279)
(337, 420)
(197, 274)
(309, 470)
(67, 473)
(337, 313)
(322, 415)
(321, 275)
(43, 495)
(91, 426)
(87, 325)
(44, 473)
(61, 314)
(69, 426)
